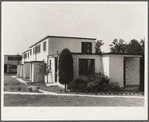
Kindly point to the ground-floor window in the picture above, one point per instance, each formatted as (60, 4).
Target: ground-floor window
(86, 66)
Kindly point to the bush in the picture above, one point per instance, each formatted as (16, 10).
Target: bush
(19, 88)
(97, 82)
(81, 85)
(112, 86)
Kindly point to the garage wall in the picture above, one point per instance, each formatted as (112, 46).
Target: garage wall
(105, 60)
(116, 69)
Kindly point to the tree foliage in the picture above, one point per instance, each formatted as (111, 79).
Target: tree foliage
(65, 67)
(99, 43)
(117, 46)
(134, 47)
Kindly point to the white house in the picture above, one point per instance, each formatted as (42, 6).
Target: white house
(122, 68)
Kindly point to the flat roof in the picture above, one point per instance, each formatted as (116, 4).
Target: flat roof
(137, 54)
(84, 53)
(61, 37)
(25, 51)
(35, 61)
(13, 55)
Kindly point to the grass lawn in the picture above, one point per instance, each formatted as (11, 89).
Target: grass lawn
(13, 85)
(53, 100)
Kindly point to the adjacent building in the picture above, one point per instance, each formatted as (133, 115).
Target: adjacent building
(11, 62)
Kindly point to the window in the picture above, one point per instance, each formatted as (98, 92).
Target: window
(13, 66)
(86, 47)
(35, 49)
(44, 46)
(14, 58)
(30, 51)
(25, 55)
(38, 49)
(86, 66)
(28, 54)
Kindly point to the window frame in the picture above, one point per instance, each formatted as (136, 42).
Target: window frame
(85, 46)
(44, 46)
(87, 70)
(30, 51)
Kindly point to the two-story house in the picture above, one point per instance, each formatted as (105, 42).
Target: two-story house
(122, 68)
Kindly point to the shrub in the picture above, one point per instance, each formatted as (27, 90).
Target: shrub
(81, 85)
(113, 86)
(19, 89)
(65, 67)
(97, 82)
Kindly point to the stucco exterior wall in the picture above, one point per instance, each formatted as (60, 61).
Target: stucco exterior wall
(27, 58)
(116, 65)
(105, 61)
(26, 70)
(132, 71)
(18, 70)
(21, 70)
(56, 45)
(42, 55)
(98, 66)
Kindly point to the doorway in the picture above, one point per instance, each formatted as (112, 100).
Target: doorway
(131, 71)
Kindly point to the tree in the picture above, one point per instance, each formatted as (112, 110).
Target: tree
(134, 47)
(65, 67)
(99, 43)
(117, 46)
(45, 69)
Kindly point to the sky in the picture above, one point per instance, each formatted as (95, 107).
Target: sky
(25, 23)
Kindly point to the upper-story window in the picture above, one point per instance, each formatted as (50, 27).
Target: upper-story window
(30, 51)
(86, 47)
(35, 49)
(25, 55)
(14, 58)
(44, 46)
(38, 49)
